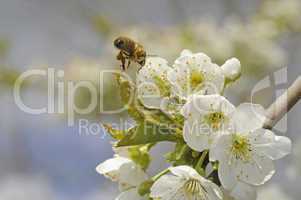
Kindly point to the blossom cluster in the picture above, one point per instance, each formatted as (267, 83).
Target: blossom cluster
(221, 151)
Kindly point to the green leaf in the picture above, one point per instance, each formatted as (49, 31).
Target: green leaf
(147, 133)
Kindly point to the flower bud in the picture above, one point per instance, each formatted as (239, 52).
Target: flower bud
(231, 69)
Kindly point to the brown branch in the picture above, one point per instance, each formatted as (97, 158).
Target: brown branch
(283, 104)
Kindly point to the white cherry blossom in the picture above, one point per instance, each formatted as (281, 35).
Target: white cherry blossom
(126, 173)
(205, 116)
(153, 86)
(246, 153)
(195, 73)
(184, 183)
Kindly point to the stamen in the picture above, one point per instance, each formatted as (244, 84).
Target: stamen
(194, 190)
(241, 148)
(197, 78)
(215, 119)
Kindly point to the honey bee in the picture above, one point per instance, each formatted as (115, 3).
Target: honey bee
(130, 51)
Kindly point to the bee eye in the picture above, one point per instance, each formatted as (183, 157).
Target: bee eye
(119, 43)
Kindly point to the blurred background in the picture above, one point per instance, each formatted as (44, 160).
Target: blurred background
(42, 158)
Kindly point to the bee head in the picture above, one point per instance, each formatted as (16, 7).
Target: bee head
(119, 43)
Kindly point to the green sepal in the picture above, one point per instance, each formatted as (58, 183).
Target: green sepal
(182, 155)
(114, 133)
(145, 187)
(126, 88)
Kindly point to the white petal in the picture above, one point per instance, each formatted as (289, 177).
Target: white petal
(248, 117)
(178, 77)
(187, 59)
(178, 195)
(227, 175)
(186, 52)
(131, 194)
(194, 136)
(231, 69)
(257, 172)
(110, 168)
(131, 174)
(149, 94)
(152, 82)
(170, 187)
(215, 80)
(204, 104)
(188, 107)
(268, 144)
(153, 66)
(227, 195)
(243, 191)
(184, 172)
(171, 106)
(219, 149)
(166, 187)
(156, 61)
(214, 192)
(274, 191)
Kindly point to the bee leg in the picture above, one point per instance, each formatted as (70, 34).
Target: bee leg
(140, 67)
(141, 63)
(129, 62)
(121, 57)
(123, 64)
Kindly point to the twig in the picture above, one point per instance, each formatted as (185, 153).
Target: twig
(283, 104)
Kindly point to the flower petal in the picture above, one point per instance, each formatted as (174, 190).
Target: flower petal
(152, 82)
(257, 172)
(203, 104)
(174, 187)
(215, 80)
(219, 149)
(184, 171)
(248, 117)
(231, 69)
(132, 175)
(195, 74)
(268, 144)
(194, 136)
(166, 187)
(243, 191)
(214, 192)
(187, 59)
(186, 52)
(150, 96)
(227, 175)
(110, 168)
